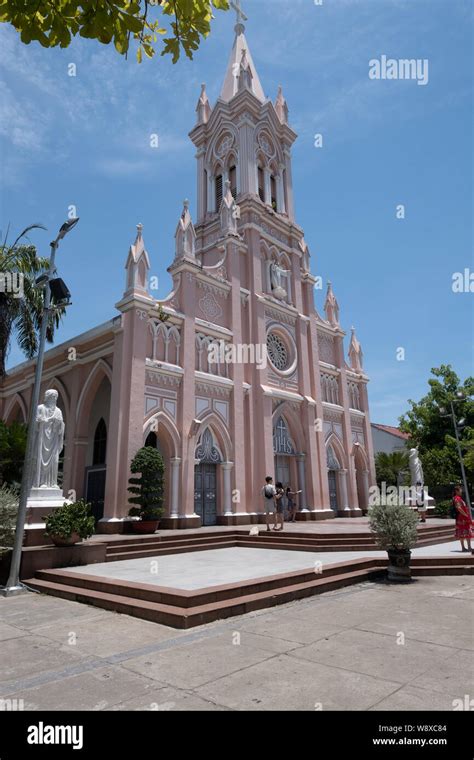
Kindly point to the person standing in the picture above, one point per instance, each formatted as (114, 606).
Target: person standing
(280, 506)
(269, 493)
(463, 519)
(291, 503)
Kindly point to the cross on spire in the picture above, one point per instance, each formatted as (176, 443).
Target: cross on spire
(240, 15)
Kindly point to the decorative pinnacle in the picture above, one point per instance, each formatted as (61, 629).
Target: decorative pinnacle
(139, 230)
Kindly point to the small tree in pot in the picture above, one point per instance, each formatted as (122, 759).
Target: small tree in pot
(147, 490)
(70, 523)
(394, 527)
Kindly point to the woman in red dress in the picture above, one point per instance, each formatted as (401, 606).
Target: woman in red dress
(463, 519)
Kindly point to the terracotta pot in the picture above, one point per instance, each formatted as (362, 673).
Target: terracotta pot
(145, 526)
(74, 538)
(399, 565)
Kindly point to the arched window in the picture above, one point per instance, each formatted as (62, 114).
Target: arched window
(233, 181)
(100, 443)
(204, 198)
(273, 192)
(151, 439)
(261, 184)
(218, 191)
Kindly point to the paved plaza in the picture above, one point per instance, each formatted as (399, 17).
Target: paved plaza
(373, 646)
(197, 570)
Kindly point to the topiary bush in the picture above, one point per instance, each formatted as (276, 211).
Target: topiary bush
(8, 513)
(394, 526)
(147, 490)
(443, 508)
(69, 519)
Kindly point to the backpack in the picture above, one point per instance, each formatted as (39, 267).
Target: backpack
(453, 511)
(268, 492)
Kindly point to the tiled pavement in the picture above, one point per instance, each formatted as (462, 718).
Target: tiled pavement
(373, 646)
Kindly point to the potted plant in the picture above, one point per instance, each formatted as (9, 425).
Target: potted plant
(70, 523)
(146, 490)
(394, 526)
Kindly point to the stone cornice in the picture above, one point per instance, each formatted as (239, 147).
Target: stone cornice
(211, 327)
(133, 301)
(268, 390)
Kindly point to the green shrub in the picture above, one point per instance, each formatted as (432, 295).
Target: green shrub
(12, 452)
(394, 526)
(69, 519)
(8, 513)
(443, 508)
(147, 490)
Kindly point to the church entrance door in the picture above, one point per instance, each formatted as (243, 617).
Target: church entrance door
(282, 469)
(332, 490)
(205, 499)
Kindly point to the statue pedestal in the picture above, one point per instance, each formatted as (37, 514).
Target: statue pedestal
(40, 503)
(279, 293)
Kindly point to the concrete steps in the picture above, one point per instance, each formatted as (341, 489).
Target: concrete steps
(180, 608)
(185, 609)
(137, 547)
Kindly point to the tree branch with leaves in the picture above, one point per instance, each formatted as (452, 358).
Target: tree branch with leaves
(181, 24)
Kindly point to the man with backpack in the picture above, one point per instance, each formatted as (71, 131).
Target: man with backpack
(269, 493)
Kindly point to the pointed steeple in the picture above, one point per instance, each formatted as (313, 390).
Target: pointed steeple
(203, 108)
(137, 266)
(185, 235)
(232, 81)
(331, 307)
(356, 356)
(281, 106)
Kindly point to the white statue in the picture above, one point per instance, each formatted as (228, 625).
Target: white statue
(276, 273)
(48, 442)
(416, 469)
(229, 212)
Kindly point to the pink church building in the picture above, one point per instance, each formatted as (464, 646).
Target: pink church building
(243, 378)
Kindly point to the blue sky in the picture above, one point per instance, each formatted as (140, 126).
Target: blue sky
(85, 141)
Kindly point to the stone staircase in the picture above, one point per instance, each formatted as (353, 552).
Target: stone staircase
(135, 547)
(187, 608)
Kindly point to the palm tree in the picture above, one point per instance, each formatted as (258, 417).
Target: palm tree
(21, 311)
(389, 467)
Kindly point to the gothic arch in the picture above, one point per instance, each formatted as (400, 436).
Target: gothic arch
(262, 131)
(293, 423)
(219, 433)
(11, 406)
(59, 386)
(100, 370)
(211, 159)
(333, 441)
(171, 438)
(361, 459)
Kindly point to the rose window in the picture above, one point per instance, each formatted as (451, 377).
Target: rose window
(277, 351)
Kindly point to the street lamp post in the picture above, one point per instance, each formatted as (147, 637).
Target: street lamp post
(13, 584)
(452, 414)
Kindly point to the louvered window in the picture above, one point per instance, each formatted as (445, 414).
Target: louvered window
(218, 191)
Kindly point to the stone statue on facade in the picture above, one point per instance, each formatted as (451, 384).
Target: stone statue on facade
(49, 438)
(276, 273)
